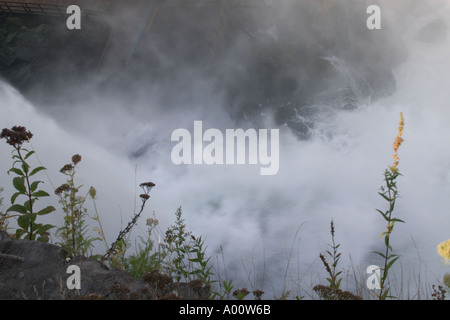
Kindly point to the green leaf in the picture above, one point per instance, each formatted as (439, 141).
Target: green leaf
(24, 221)
(14, 197)
(392, 255)
(27, 205)
(16, 171)
(384, 214)
(17, 208)
(43, 238)
(45, 227)
(385, 197)
(28, 155)
(36, 170)
(46, 210)
(34, 185)
(391, 263)
(19, 184)
(380, 254)
(33, 219)
(25, 167)
(19, 233)
(40, 193)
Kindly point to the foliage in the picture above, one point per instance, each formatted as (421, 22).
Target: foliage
(146, 186)
(240, 294)
(185, 254)
(28, 228)
(389, 193)
(227, 289)
(334, 281)
(73, 233)
(3, 217)
(144, 260)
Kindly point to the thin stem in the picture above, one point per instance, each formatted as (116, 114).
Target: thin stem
(124, 232)
(30, 198)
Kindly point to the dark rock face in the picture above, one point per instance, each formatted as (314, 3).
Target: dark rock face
(40, 50)
(279, 60)
(35, 270)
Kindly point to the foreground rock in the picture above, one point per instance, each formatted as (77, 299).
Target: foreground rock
(35, 270)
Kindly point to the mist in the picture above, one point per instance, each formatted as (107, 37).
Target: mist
(336, 127)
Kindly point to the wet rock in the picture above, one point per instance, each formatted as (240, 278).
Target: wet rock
(4, 235)
(35, 270)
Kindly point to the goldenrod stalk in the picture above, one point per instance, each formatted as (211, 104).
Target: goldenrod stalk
(398, 142)
(390, 194)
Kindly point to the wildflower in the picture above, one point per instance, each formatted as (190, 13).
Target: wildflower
(144, 196)
(325, 263)
(62, 188)
(151, 222)
(147, 186)
(329, 293)
(241, 292)
(398, 142)
(92, 192)
(258, 294)
(76, 158)
(444, 250)
(332, 228)
(66, 168)
(16, 136)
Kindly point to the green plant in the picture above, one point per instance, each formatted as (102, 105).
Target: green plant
(1, 199)
(240, 294)
(438, 293)
(144, 260)
(389, 192)
(120, 241)
(73, 233)
(227, 289)
(334, 281)
(330, 293)
(99, 230)
(3, 216)
(185, 254)
(28, 228)
(198, 257)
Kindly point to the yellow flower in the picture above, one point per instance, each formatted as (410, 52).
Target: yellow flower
(444, 250)
(398, 141)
